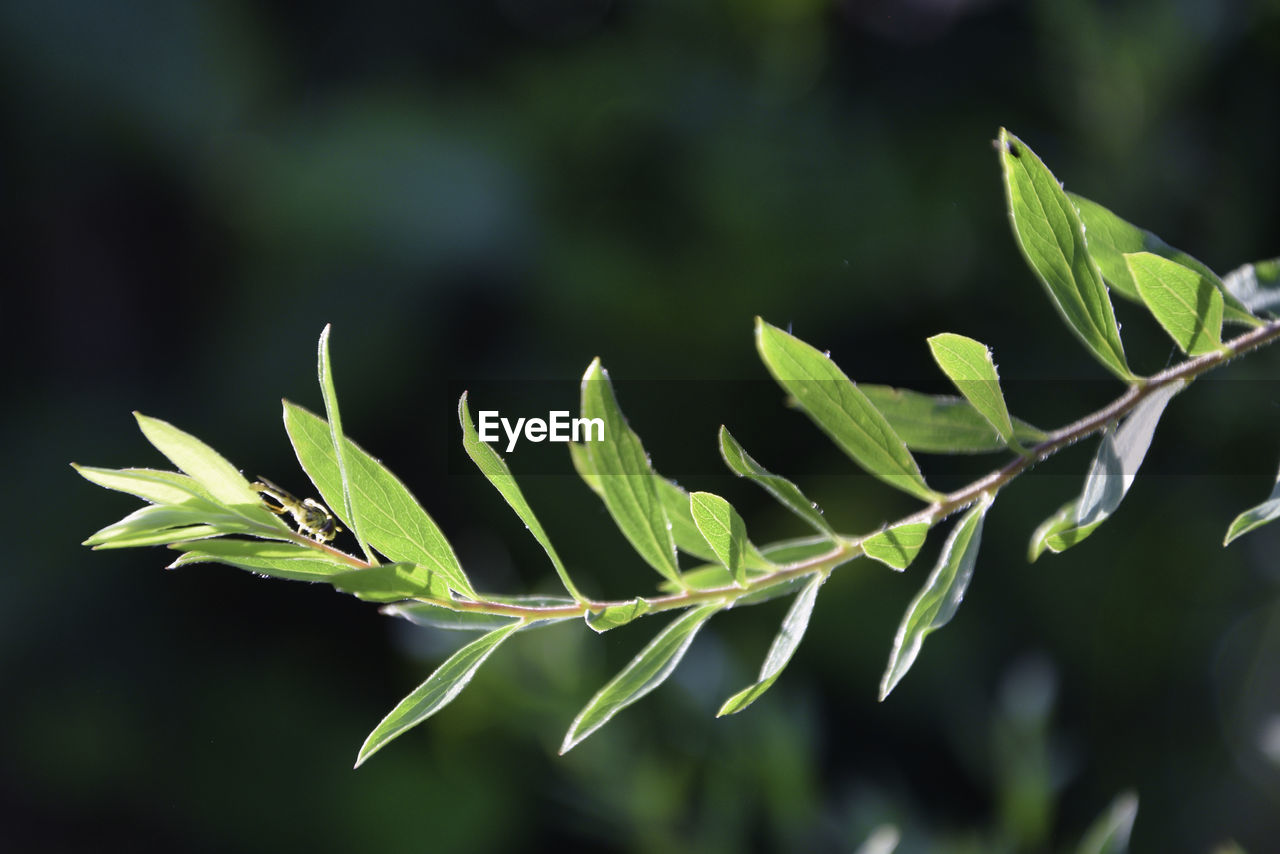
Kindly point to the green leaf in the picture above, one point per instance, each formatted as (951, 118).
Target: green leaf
(898, 546)
(439, 617)
(937, 601)
(1184, 302)
(724, 531)
(1110, 238)
(438, 691)
(1109, 833)
(968, 364)
(1256, 285)
(161, 524)
(780, 652)
(1047, 228)
(628, 482)
(1257, 516)
(153, 485)
(616, 615)
(1114, 468)
(688, 539)
(582, 465)
(786, 492)
(495, 469)
(843, 412)
(646, 671)
(281, 560)
(942, 424)
(325, 371)
(390, 582)
(391, 517)
(209, 468)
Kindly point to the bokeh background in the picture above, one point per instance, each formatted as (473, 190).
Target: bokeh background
(486, 195)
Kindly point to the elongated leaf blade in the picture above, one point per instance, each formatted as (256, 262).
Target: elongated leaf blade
(1110, 238)
(157, 524)
(937, 601)
(1109, 833)
(391, 582)
(153, 485)
(495, 470)
(439, 617)
(582, 465)
(898, 546)
(646, 672)
(840, 410)
(616, 615)
(942, 424)
(626, 477)
(1184, 302)
(724, 531)
(1257, 516)
(969, 365)
(207, 467)
(1047, 228)
(158, 537)
(688, 539)
(330, 395)
(440, 688)
(786, 492)
(393, 520)
(280, 560)
(1256, 285)
(780, 651)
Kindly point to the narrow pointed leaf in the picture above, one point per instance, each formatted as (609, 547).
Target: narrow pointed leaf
(1110, 238)
(207, 467)
(153, 485)
(1114, 468)
(1109, 833)
(160, 524)
(968, 364)
(688, 539)
(437, 692)
(330, 395)
(161, 537)
(937, 601)
(439, 617)
(780, 652)
(495, 469)
(942, 424)
(786, 492)
(646, 672)
(1257, 516)
(898, 546)
(392, 519)
(1184, 302)
(280, 560)
(626, 477)
(1256, 285)
(616, 615)
(582, 465)
(1047, 228)
(840, 409)
(724, 531)
(391, 582)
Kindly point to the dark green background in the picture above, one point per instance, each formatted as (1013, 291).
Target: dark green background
(488, 195)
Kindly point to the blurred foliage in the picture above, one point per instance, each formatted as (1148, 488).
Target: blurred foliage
(501, 190)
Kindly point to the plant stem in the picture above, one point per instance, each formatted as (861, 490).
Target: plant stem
(847, 548)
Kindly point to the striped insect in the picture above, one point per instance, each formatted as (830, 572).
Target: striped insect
(312, 518)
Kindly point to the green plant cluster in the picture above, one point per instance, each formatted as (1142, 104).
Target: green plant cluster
(1081, 253)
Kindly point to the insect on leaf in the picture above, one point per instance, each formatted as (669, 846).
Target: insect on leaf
(646, 672)
(937, 601)
(843, 412)
(440, 688)
(1047, 228)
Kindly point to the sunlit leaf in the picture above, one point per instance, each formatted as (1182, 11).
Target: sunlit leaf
(646, 672)
(688, 539)
(786, 492)
(392, 518)
(324, 371)
(968, 364)
(280, 560)
(936, 603)
(783, 647)
(616, 615)
(627, 480)
(437, 692)
(898, 546)
(1257, 516)
(390, 582)
(843, 412)
(942, 424)
(724, 531)
(1047, 228)
(495, 469)
(1110, 238)
(1184, 302)
(439, 617)
(153, 485)
(161, 524)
